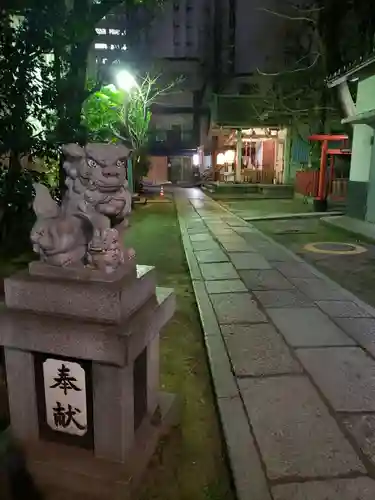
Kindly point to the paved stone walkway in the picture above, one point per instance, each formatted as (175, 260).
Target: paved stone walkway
(292, 361)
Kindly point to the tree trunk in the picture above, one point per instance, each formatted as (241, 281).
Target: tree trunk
(69, 126)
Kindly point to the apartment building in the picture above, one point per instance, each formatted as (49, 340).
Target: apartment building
(217, 46)
(175, 41)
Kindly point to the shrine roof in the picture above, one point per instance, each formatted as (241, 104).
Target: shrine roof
(361, 68)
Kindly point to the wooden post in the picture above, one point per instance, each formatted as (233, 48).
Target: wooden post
(238, 155)
(214, 145)
(322, 171)
(331, 175)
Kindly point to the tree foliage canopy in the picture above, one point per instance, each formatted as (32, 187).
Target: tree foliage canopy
(64, 29)
(41, 98)
(321, 37)
(113, 115)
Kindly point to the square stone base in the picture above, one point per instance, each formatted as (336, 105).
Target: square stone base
(63, 472)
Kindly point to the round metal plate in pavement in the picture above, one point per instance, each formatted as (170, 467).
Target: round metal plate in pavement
(335, 248)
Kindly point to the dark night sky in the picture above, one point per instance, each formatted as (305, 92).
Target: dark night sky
(259, 34)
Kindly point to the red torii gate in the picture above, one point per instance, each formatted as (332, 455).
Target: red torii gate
(320, 201)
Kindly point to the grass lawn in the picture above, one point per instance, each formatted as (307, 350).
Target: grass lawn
(258, 208)
(354, 272)
(189, 465)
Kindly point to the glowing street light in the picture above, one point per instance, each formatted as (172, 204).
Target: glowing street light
(126, 80)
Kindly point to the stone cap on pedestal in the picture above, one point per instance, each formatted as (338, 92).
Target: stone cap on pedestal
(85, 274)
(89, 299)
(116, 344)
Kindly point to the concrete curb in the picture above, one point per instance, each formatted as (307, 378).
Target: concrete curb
(338, 222)
(194, 269)
(244, 460)
(307, 215)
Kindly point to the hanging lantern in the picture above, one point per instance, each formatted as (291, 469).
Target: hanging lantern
(220, 160)
(229, 156)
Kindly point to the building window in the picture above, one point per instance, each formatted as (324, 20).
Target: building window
(104, 46)
(101, 31)
(111, 31)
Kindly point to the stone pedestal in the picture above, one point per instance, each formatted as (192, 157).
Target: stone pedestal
(82, 367)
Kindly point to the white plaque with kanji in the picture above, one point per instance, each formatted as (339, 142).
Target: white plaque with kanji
(65, 394)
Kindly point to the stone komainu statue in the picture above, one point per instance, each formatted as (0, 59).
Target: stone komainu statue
(87, 229)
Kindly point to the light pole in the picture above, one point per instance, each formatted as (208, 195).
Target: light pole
(126, 81)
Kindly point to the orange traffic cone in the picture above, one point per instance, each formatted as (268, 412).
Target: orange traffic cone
(161, 191)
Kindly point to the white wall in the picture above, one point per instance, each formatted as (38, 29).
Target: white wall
(363, 134)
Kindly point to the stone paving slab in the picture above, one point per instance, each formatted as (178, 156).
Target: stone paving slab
(293, 269)
(195, 224)
(248, 475)
(287, 437)
(244, 260)
(346, 376)
(234, 222)
(307, 327)
(297, 436)
(205, 245)
(224, 233)
(362, 428)
(256, 240)
(218, 223)
(342, 309)
(218, 271)
(200, 230)
(257, 350)
(318, 289)
(267, 279)
(362, 330)
(195, 272)
(236, 308)
(274, 254)
(225, 286)
(209, 256)
(242, 230)
(230, 238)
(362, 488)
(283, 298)
(237, 246)
(196, 228)
(201, 237)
